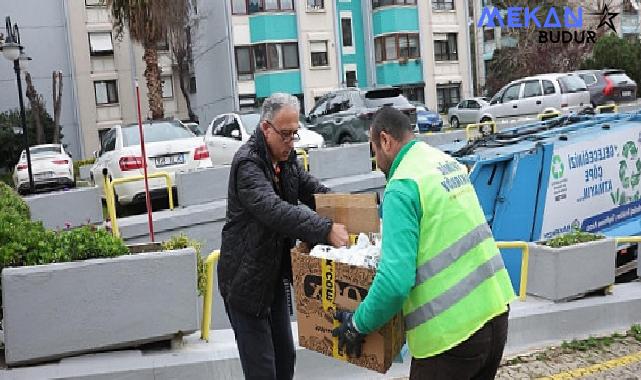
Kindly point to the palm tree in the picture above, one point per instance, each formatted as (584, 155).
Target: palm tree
(147, 22)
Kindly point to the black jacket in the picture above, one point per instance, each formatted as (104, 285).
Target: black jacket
(263, 221)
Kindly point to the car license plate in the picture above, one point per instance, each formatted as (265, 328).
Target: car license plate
(174, 159)
(44, 175)
(626, 93)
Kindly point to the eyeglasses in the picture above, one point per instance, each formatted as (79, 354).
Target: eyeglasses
(285, 136)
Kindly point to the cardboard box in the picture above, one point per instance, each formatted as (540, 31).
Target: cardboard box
(321, 286)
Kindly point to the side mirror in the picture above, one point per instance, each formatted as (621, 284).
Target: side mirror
(494, 101)
(308, 119)
(235, 134)
(96, 154)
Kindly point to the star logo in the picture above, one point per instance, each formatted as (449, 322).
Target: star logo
(606, 18)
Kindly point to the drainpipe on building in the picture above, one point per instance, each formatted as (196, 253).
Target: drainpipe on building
(301, 60)
(470, 85)
(338, 41)
(368, 33)
(72, 85)
(232, 57)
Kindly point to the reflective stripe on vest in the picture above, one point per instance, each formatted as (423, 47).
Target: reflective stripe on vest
(454, 294)
(452, 253)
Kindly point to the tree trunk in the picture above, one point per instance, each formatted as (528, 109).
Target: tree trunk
(57, 104)
(154, 84)
(35, 101)
(182, 71)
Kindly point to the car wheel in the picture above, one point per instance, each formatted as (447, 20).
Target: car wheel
(455, 123)
(345, 139)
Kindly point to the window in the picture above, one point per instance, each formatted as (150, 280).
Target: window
(378, 49)
(448, 95)
(108, 140)
(167, 87)
(532, 88)
(396, 46)
(155, 131)
(346, 28)
(318, 51)
(95, 3)
(267, 57)
(589, 79)
(244, 66)
(350, 78)
(571, 84)
(443, 5)
(243, 7)
(473, 104)
(192, 85)
(628, 7)
(414, 93)
(260, 57)
(163, 45)
(488, 34)
(315, 5)
(106, 92)
(548, 87)
(100, 44)
(239, 7)
(290, 56)
(390, 47)
(445, 47)
(383, 3)
(512, 93)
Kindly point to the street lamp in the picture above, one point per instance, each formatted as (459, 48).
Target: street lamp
(13, 51)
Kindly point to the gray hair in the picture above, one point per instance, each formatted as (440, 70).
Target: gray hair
(275, 102)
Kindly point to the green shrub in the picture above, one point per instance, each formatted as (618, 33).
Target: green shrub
(572, 238)
(10, 202)
(182, 241)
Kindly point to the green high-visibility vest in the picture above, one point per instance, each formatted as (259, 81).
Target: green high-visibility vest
(461, 282)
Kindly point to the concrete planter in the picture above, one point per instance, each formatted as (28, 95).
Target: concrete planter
(202, 185)
(560, 274)
(73, 208)
(344, 161)
(57, 310)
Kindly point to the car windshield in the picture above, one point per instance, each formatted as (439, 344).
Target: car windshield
(155, 132)
(250, 122)
(390, 97)
(619, 78)
(571, 84)
(44, 150)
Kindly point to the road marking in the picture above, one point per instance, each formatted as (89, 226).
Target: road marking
(600, 367)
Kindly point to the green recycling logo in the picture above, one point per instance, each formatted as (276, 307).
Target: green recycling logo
(629, 174)
(557, 167)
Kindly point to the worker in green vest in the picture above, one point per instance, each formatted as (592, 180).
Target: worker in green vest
(440, 264)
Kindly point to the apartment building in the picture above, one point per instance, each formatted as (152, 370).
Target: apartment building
(99, 70)
(309, 47)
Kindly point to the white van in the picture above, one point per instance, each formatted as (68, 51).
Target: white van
(566, 93)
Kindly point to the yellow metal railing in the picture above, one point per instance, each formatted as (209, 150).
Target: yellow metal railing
(612, 107)
(525, 250)
(209, 292)
(548, 115)
(305, 157)
(478, 127)
(110, 195)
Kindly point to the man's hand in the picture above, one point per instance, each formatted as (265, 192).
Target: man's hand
(338, 236)
(349, 339)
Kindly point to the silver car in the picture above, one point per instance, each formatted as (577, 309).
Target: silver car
(468, 111)
(565, 93)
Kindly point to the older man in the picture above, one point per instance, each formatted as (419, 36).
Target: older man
(264, 219)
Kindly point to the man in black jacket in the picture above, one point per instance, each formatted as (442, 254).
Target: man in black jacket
(264, 219)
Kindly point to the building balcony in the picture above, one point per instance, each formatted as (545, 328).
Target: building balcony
(266, 27)
(394, 73)
(98, 15)
(395, 19)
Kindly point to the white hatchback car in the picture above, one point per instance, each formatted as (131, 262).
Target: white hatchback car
(227, 132)
(170, 147)
(51, 167)
(566, 93)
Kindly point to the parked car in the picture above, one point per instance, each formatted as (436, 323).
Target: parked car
(427, 120)
(51, 168)
(607, 86)
(566, 93)
(169, 145)
(227, 132)
(344, 116)
(468, 111)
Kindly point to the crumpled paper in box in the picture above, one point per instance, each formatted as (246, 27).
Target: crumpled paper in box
(362, 254)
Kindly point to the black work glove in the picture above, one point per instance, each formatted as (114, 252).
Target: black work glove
(350, 340)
